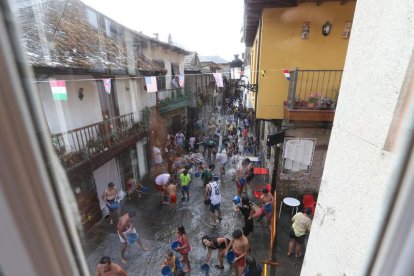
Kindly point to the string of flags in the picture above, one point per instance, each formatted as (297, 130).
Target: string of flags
(59, 90)
(219, 79)
(287, 74)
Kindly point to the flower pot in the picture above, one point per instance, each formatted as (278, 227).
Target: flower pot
(310, 105)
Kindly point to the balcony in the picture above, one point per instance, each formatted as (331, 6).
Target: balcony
(312, 95)
(101, 141)
(172, 100)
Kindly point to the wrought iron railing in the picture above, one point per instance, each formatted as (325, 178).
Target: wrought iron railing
(79, 144)
(314, 89)
(169, 104)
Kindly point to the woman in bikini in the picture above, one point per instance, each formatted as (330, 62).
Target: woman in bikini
(219, 244)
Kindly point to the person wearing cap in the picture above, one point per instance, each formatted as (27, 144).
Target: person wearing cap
(301, 225)
(125, 227)
(106, 267)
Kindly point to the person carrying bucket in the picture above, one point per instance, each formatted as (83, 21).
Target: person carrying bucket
(267, 207)
(240, 245)
(184, 247)
(219, 244)
(173, 262)
(110, 197)
(125, 228)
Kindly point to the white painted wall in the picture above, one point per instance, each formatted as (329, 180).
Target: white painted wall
(73, 113)
(103, 175)
(354, 187)
(141, 158)
(127, 96)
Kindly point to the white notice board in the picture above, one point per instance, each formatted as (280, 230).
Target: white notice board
(297, 157)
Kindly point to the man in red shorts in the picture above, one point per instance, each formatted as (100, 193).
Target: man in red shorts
(161, 183)
(240, 245)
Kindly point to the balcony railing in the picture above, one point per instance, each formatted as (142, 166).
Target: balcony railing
(314, 89)
(77, 145)
(173, 99)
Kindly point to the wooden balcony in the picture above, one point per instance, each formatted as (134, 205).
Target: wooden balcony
(308, 114)
(100, 142)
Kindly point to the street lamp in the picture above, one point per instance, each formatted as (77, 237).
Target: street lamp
(236, 74)
(236, 68)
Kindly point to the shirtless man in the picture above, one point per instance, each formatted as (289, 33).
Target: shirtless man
(240, 246)
(107, 268)
(110, 196)
(125, 227)
(266, 198)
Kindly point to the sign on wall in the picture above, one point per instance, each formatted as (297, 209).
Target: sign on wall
(297, 157)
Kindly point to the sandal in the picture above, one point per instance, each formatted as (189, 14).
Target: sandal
(289, 254)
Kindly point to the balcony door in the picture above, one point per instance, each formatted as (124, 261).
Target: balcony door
(176, 123)
(110, 110)
(108, 101)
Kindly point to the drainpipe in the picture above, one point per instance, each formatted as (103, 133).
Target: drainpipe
(257, 129)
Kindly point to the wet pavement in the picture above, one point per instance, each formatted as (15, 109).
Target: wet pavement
(157, 224)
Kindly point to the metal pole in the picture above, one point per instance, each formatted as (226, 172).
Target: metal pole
(292, 99)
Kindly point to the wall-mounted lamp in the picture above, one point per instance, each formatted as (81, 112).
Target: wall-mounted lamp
(347, 30)
(80, 94)
(326, 28)
(305, 30)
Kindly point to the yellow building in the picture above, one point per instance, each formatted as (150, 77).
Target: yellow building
(283, 36)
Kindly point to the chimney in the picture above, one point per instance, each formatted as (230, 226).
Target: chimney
(155, 36)
(169, 39)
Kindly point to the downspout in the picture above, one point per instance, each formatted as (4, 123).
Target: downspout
(257, 129)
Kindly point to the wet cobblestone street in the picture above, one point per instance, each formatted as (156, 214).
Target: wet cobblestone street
(156, 225)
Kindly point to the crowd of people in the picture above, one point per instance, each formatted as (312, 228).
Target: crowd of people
(175, 167)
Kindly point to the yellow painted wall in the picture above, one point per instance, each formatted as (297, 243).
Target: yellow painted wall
(283, 48)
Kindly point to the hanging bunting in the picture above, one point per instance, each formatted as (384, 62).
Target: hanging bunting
(151, 84)
(59, 90)
(181, 81)
(287, 74)
(219, 79)
(107, 85)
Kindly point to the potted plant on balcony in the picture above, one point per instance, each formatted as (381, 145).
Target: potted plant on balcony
(312, 100)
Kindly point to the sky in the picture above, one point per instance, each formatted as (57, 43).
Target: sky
(211, 28)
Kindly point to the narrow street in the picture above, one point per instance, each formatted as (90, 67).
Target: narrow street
(157, 224)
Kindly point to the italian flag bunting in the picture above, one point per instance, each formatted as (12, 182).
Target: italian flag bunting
(59, 90)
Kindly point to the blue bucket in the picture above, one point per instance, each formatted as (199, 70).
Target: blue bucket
(166, 271)
(144, 189)
(197, 174)
(268, 208)
(215, 178)
(175, 245)
(113, 205)
(236, 199)
(231, 256)
(132, 237)
(205, 268)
